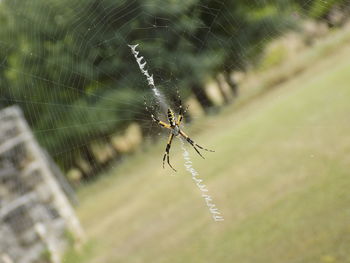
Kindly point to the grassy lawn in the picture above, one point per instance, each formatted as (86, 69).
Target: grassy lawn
(280, 175)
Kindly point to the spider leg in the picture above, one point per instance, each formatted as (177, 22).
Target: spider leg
(155, 119)
(180, 117)
(208, 150)
(181, 110)
(167, 150)
(194, 145)
(161, 123)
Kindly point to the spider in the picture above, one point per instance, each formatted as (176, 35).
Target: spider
(174, 127)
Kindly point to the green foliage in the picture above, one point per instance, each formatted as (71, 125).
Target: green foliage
(321, 8)
(67, 63)
(317, 9)
(248, 36)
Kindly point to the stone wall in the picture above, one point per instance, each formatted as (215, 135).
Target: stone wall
(35, 214)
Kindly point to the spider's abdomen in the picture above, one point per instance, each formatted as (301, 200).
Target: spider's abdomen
(171, 117)
(175, 130)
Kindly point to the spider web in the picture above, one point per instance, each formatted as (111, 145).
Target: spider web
(86, 87)
(117, 22)
(77, 92)
(86, 24)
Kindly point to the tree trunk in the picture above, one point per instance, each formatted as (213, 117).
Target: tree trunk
(233, 85)
(222, 91)
(90, 158)
(202, 97)
(84, 174)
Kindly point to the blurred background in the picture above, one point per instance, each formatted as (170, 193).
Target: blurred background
(267, 85)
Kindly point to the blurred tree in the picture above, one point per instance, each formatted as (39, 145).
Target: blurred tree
(241, 29)
(177, 61)
(64, 71)
(317, 9)
(67, 63)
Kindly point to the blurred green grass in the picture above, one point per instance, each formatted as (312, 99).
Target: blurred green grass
(280, 176)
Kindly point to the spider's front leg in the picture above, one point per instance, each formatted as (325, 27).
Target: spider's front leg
(181, 110)
(155, 119)
(167, 151)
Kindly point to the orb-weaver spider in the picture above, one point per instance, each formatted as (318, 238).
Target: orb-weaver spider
(174, 127)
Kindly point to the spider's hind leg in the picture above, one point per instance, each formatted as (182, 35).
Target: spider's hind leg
(194, 145)
(167, 151)
(205, 149)
(190, 141)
